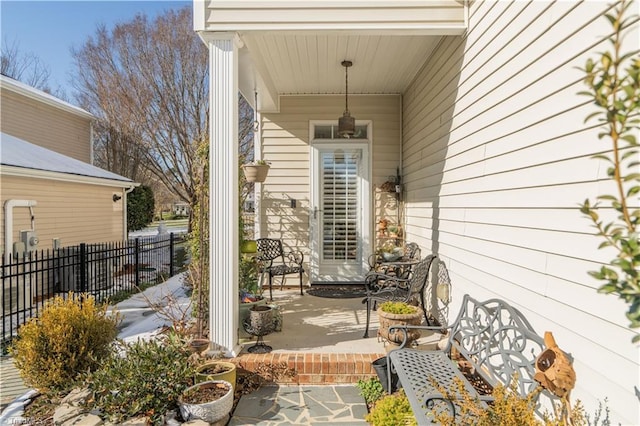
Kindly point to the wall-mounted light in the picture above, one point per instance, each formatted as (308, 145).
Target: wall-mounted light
(346, 123)
(116, 197)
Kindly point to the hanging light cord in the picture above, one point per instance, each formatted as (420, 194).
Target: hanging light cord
(346, 85)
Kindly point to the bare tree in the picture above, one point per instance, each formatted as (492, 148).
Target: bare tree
(24, 66)
(147, 81)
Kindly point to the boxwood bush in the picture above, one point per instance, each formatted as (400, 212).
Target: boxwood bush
(71, 336)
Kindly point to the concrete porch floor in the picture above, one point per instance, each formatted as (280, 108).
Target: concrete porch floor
(321, 340)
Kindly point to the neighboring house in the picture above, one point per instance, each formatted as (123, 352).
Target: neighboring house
(475, 104)
(47, 182)
(42, 119)
(181, 208)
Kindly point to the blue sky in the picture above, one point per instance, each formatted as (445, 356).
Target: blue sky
(49, 29)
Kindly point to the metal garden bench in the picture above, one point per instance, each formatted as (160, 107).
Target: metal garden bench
(383, 287)
(275, 262)
(491, 338)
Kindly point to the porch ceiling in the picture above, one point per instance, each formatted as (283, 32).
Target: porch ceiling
(295, 63)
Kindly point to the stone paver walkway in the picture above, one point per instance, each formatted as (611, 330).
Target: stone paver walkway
(301, 405)
(12, 385)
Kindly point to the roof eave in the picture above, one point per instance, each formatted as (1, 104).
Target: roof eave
(6, 170)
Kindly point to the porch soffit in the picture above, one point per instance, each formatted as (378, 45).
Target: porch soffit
(296, 47)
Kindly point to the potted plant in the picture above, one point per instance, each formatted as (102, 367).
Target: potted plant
(256, 171)
(208, 401)
(216, 370)
(398, 313)
(390, 252)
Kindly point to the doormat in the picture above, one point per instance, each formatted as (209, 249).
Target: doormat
(338, 292)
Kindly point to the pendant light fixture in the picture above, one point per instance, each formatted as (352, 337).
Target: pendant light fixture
(346, 123)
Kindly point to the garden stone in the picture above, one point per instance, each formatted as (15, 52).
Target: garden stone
(66, 412)
(70, 415)
(76, 396)
(84, 419)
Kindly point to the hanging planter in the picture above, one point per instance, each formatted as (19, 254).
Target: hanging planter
(256, 171)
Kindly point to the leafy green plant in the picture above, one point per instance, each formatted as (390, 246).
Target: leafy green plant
(400, 308)
(70, 337)
(371, 390)
(248, 276)
(392, 410)
(613, 80)
(146, 379)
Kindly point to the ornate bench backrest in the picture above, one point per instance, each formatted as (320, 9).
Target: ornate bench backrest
(420, 275)
(498, 341)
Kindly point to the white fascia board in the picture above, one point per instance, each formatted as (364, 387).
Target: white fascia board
(199, 16)
(40, 96)
(64, 177)
(350, 28)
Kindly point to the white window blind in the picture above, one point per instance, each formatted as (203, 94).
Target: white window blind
(339, 180)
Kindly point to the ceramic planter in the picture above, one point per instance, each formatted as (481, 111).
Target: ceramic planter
(210, 411)
(244, 315)
(261, 317)
(207, 372)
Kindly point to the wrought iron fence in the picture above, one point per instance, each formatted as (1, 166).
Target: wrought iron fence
(102, 270)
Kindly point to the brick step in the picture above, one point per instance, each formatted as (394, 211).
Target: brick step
(309, 368)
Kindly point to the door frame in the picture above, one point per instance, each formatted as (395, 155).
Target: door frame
(366, 199)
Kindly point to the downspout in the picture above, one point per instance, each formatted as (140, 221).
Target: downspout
(8, 222)
(125, 230)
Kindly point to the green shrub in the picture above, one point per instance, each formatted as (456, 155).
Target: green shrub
(392, 410)
(140, 207)
(371, 390)
(146, 380)
(70, 337)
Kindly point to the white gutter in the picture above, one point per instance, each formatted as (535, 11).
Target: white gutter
(8, 222)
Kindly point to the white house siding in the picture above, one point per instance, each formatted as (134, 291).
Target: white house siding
(45, 125)
(496, 161)
(285, 144)
(73, 212)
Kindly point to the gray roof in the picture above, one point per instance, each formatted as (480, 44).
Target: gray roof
(19, 153)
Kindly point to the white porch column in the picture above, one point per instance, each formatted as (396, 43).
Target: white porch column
(223, 184)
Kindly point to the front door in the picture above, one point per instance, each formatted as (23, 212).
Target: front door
(340, 224)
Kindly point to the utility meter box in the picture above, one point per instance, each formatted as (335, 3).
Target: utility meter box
(30, 240)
